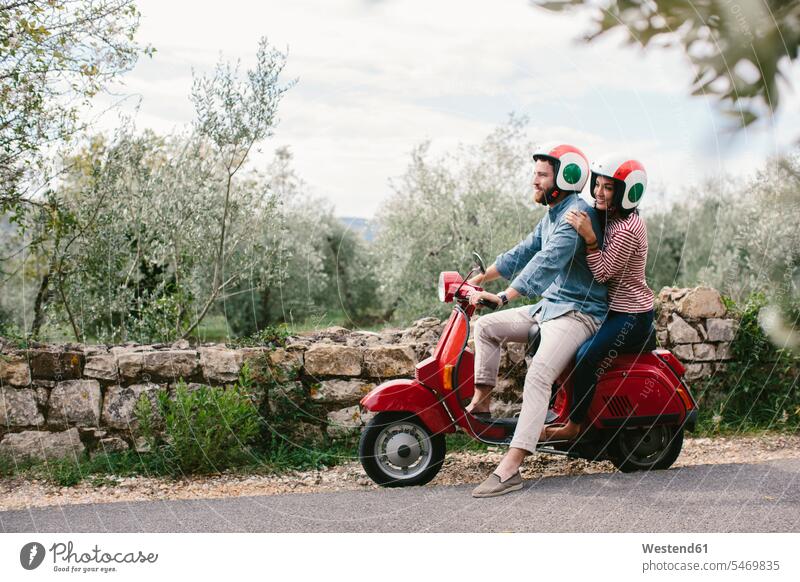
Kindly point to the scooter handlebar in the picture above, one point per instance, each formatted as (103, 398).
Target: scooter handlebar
(488, 304)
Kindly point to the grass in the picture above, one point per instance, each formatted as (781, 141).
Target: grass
(103, 469)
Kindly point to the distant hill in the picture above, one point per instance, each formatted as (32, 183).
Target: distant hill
(362, 226)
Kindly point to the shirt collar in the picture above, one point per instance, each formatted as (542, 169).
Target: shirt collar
(561, 206)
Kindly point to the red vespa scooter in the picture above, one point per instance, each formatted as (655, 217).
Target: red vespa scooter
(636, 420)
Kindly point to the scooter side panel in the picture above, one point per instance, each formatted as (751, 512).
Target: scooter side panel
(410, 396)
(637, 388)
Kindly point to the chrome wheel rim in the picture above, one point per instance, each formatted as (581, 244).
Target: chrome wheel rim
(403, 450)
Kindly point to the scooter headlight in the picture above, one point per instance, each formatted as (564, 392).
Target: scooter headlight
(448, 283)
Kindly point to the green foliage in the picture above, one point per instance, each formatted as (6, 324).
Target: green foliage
(54, 56)
(271, 336)
(736, 237)
(206, 430)
(737, 48)
(14, 335)
(146, 235)
(322, 268)
(759, 389)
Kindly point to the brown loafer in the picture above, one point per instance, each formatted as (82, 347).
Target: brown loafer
(493, 486)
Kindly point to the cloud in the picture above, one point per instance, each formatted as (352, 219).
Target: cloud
(376, 78)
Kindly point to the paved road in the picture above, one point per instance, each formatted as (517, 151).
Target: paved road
(711, 498)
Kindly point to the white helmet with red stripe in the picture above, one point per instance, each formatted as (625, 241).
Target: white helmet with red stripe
(571, 167)
(630, 180)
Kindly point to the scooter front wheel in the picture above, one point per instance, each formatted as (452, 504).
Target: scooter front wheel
(397, 450)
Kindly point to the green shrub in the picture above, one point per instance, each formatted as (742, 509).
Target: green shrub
(758, 389)
(271, 336)
(205, 430)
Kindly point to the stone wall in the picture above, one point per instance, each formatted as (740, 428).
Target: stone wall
(65, 400)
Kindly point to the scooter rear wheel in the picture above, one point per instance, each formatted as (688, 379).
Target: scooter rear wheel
(397, 450)
(646, 449)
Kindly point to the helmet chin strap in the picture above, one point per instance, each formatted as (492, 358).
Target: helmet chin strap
(550, 196)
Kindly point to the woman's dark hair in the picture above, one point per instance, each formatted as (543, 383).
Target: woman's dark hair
(619, 194)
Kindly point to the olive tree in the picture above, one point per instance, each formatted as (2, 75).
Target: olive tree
(234, 114)
(54, 56)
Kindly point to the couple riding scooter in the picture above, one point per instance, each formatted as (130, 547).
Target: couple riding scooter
(555, 263)
(645, 405)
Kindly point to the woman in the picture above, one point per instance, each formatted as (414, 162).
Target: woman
(617, 187)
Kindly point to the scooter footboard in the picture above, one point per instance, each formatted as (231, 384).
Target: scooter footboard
(410, 396)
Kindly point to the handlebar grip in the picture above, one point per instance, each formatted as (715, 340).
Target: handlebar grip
(488, 304)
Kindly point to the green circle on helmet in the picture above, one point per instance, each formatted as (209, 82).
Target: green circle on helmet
(636, 191)
(572, 173)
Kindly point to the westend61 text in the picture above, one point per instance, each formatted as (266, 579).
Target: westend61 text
(669, 549)
(65, 553)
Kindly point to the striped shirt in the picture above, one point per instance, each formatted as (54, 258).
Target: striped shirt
(621, 265)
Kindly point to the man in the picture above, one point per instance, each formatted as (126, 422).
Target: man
(551, 263)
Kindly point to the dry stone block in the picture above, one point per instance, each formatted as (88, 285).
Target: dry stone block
(341, 392)
(704, 352)
(112, 445)
(18, 407)
(220, 364)
(119, 404)
(724, 351)
(347, 420)
(74, 403)
(515, 353)
(42, 445)
(389, 361)
(14, 370)
(42, 394)
(333, 360)
(166, 365)
(507, 389)
(257, 360)
(700, 302)
(335, 333)
(683, 352)
(662, 337)
(681, 332)
(697, 371)
(129, 348)
(101, 367)
(54, 364)
(501, 409)
(285, 363)
(364, 338)
(721, 330)
(95, 350)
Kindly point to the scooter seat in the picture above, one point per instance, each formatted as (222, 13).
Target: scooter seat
(534, 339)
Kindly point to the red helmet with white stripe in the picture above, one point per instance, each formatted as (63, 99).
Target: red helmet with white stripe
(571, 168)
(630, 180)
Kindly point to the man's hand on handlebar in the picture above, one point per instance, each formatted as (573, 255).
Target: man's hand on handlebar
(476, 296)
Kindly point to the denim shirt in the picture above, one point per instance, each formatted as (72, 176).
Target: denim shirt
(551, 263)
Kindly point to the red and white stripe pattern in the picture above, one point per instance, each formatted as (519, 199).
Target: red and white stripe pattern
(621, 264)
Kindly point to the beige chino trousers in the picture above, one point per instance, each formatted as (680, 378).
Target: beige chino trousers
(560, 339)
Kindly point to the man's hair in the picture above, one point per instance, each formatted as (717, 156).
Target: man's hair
(550, 161)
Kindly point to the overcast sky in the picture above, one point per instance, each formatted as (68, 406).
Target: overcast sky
(377, 78)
